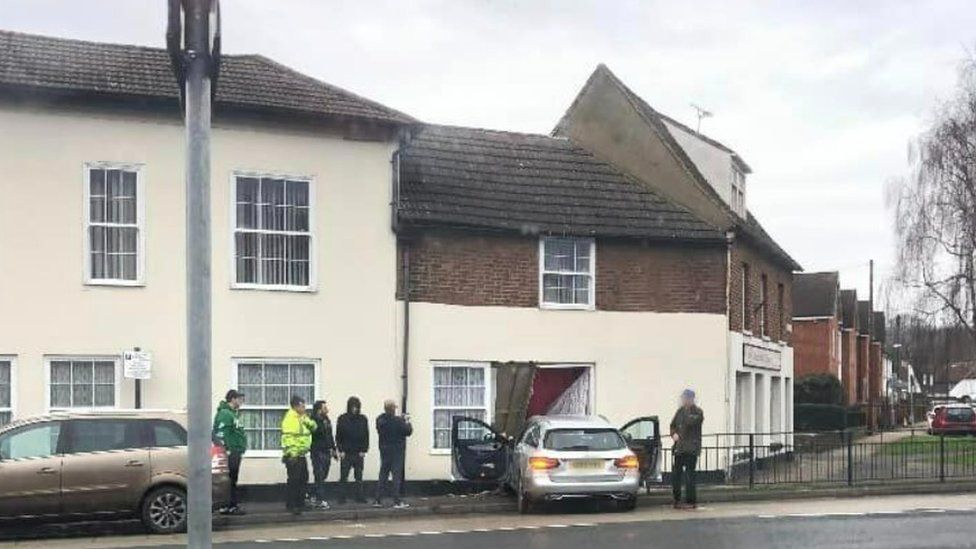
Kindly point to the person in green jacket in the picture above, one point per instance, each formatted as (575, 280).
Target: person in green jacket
(296, 441)
(229, 433)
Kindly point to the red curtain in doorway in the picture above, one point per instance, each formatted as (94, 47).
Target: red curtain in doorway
(548, 385)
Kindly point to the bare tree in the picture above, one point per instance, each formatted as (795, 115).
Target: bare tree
(935, 213)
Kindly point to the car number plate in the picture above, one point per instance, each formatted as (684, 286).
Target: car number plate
(587, 464)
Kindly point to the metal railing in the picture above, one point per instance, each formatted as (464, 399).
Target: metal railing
(840, 457)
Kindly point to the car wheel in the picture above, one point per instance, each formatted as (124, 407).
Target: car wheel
(164, 510)
(627, 504)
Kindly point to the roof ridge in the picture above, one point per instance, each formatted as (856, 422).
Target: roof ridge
(496, 131)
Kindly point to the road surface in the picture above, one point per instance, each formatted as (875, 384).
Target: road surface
(876, 522)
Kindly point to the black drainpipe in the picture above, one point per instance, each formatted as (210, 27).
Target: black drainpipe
(406, 323)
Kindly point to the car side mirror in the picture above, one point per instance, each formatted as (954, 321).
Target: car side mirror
(628, 437)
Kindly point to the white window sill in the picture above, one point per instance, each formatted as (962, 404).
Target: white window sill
(273, 288)
(565, 307)
(112, 282)
(262, 454)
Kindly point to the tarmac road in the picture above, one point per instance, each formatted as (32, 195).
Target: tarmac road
(866, 522)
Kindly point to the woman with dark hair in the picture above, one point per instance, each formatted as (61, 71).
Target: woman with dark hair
(323, 452)
(352, 441)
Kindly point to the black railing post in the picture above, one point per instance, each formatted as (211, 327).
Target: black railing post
(752, 459)
(850, 458)
(941, 458)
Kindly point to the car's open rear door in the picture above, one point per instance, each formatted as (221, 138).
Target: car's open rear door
(643, 436)
(478, 452)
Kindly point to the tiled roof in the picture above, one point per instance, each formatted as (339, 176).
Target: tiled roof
(531, 184)
(75, 67)
(848, 309)
(749, 226)
(815, 294)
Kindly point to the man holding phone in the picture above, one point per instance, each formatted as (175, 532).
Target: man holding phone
(393, 431)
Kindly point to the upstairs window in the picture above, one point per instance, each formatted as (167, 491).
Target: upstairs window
(746, 302)
(113, 225)
(567, 273)
(272, 233)
(738, 191)
(763, 304)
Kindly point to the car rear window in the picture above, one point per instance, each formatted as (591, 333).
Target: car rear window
(168, 434)
(960, 414)
(583, 439)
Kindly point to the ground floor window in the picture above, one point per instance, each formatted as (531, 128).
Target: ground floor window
(6, 390)
(82, 382)
(268, 386)
(460, 389)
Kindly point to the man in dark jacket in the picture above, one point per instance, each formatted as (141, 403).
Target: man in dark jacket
(686, 432)
(229, 433)
(352, 441)
(393, 431)
(323, 451)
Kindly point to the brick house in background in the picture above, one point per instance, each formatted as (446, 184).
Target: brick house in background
(708, 178)
(817, 331)
(863, 351)
(849, 345)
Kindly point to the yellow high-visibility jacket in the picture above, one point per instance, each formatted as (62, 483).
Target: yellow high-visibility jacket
(296, 434)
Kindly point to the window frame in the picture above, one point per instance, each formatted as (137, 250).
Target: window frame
(746, 302)
(117, 380)
(12, 409)
(140, 224)
(312, 240)
(316, 391)
(543, 304)
(488, 392)
(763, 305)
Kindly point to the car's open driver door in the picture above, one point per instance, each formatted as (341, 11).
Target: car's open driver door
(643, 436)
(478, 452)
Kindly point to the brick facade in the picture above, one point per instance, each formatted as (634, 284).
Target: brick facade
(816, 347)
(469, 268)
(778, 311)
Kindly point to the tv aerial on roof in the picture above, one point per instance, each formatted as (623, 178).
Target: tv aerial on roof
(702, 113)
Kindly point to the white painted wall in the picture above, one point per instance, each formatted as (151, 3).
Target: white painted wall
(713, 163)
(755, 385)
(348, 322)
(641, 361)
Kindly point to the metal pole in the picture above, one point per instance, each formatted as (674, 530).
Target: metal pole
(752, 460)
(850, 458)
(198, 307)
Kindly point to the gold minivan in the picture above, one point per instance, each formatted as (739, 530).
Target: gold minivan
(76, 465)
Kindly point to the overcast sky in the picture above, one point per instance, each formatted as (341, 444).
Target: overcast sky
(820, 97)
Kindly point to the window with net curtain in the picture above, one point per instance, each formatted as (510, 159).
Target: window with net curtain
(272, 237)
(113, 225)
(460, 389)
(567, 272)
(82, 383)
(6, 412)
(268, 388)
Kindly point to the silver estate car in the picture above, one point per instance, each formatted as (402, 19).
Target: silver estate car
(561, 457)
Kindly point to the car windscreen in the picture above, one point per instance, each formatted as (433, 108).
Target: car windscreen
(959, 415)
(587, 439)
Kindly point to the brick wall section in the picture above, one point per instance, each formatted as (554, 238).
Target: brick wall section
(467, 268)
(462, 268)
(742, 253)
(665, 278)
(815, 349)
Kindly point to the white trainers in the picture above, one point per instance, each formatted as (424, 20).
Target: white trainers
(401, 505)
(323, 505)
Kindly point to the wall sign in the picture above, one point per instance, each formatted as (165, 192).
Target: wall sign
(755, 356)
(137, 364)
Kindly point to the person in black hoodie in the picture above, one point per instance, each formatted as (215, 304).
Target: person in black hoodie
(352, 441)
(393, 431)
(323, 451)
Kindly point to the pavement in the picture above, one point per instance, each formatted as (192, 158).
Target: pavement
(939, 520)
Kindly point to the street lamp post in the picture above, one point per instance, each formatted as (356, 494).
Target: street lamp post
(195, 62)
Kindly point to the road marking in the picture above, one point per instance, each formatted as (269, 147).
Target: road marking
(583, 524)
(405, 534)
(455, 531)
(933, 510)
(287, 539)
(374, 535)
(262, 541)
(319, 538)
(430, 533)
(529, 527)
(481, 530)
(768, 516)
(557, 526)
(886, 513)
